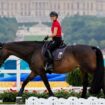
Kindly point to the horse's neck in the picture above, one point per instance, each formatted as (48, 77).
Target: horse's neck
(22, 50)
(18, 54)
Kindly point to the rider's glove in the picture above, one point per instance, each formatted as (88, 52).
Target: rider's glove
(46, 38)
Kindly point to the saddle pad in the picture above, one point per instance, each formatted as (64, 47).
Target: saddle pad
(58, 53)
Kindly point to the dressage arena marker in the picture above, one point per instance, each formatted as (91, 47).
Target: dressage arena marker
(62, 101)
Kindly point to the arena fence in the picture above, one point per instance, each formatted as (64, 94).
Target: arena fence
(62, 101)
(15, 85)
(18, 73)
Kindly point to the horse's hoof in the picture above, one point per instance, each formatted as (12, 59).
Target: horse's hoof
(90, 91)
(82, 96)
(50, 95)
(19, 100)
(94, 92)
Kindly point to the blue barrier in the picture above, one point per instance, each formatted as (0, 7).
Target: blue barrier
(12, 65)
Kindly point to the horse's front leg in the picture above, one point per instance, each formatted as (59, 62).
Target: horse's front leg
(28, 79)
(42, 73)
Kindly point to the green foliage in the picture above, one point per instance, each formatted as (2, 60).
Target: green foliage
(28, 24)
(11, 96)
(75, 78)
(84, 30)
(47, 23)
(39, 95)
(8, 28)
(66, 94)
(34, 38)
(8, 96)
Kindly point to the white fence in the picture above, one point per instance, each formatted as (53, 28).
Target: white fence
(61, 101)
(18, 72)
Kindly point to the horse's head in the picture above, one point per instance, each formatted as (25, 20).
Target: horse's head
(3, 54)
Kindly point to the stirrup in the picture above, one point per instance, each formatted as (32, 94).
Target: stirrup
(49, 68)
(49, 54)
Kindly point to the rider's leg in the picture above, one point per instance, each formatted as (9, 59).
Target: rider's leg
(51, 48)
(48, 54)
(53, 45)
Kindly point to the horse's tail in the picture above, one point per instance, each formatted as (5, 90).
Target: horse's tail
(104, 82)
(1, 45)
(97, 83)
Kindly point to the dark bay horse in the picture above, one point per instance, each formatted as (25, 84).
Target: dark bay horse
(88, 59)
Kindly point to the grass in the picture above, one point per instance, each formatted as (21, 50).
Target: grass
(10, 97)
(8, 103)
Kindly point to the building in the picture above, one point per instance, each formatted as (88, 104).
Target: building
(38, 10)
(36, 32)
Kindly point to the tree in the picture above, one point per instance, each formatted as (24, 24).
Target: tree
(8, 29)
(102, 44)
(93, 42)
(84, 30)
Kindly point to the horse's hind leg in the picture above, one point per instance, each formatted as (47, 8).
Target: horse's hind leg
(104, 82)
(42, 73)
(85, 84)
(28, 79)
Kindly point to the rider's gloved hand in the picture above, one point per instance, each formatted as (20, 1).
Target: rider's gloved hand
(46, 38)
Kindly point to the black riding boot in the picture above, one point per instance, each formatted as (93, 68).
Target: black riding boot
(49, 64)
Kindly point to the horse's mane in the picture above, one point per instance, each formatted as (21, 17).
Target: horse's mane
(26, 42)
(24, 47)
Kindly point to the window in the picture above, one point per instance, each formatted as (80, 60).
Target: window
(15, 6)
(72, 6)
(83, 5)
(58, 6)
(84, 13)
(87, 6)
(39, 5)
(68, 6)
(91, 6)
(78, 5)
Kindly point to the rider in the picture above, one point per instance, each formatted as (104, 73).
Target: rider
(56, 39)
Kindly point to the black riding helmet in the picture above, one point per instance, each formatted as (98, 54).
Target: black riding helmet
(53, 13)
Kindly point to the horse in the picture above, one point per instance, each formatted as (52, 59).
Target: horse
(88, 58)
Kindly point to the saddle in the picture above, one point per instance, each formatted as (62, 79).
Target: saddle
(58, 53)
